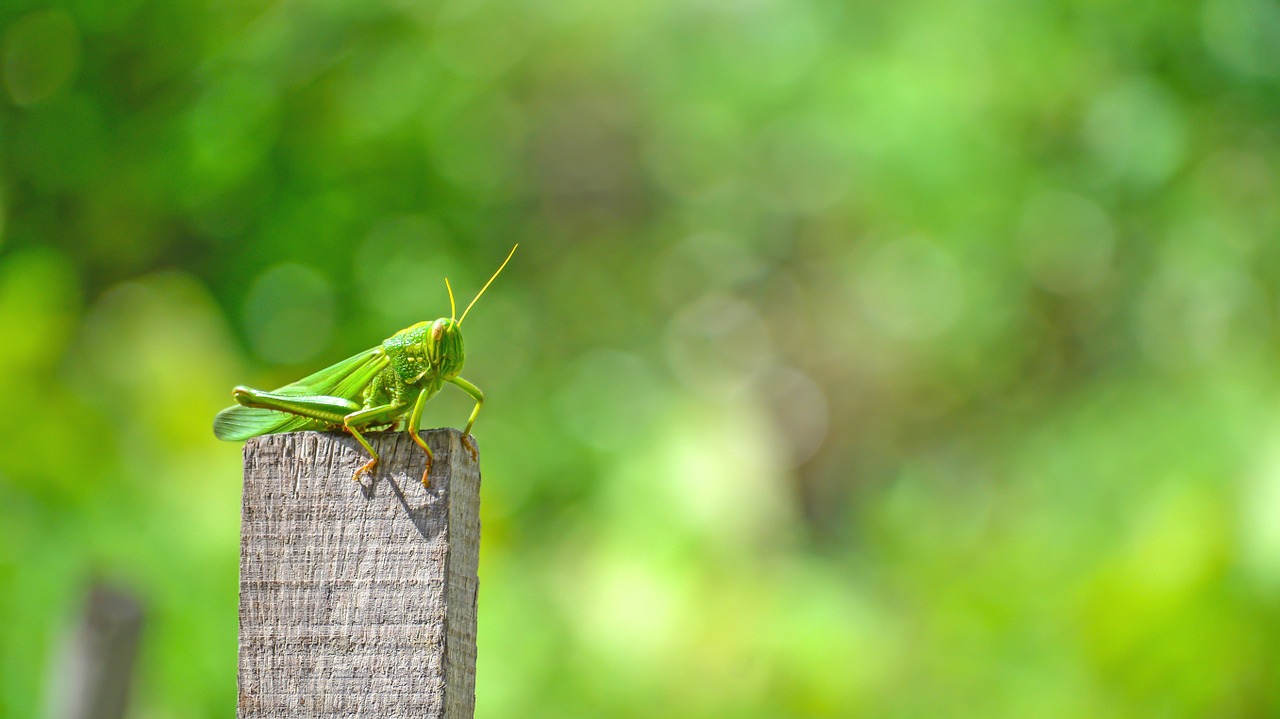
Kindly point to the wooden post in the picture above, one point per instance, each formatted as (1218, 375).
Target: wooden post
(358, 600)
(95, 674)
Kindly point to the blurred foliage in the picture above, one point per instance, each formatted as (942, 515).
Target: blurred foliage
(881, 359)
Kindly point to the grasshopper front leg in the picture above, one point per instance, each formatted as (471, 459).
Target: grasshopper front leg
(415, 421)
(476, 394)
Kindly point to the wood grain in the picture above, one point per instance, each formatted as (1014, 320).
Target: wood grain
(358, 600)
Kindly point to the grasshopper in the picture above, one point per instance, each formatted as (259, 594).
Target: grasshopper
(371, 390)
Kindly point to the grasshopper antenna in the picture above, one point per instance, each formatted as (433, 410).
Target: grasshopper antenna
(486, 285)
(453, 310)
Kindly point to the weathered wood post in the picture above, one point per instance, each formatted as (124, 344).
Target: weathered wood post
(95, 671)
(358, 600)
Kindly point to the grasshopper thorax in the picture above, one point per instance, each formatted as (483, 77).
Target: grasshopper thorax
(433, 348)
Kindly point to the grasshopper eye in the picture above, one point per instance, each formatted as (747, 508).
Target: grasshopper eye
(437, 331)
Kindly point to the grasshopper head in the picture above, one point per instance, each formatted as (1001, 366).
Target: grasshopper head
(439, 343)
(444, 348)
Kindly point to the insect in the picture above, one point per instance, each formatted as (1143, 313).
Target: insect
(371, 390)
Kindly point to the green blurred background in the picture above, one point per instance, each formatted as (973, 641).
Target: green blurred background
(899, 359)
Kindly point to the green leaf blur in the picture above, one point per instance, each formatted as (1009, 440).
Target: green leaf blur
(907, 359)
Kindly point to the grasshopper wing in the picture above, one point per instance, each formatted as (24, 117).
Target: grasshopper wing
(344, 380)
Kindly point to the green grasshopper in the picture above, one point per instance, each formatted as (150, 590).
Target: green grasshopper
(371, 390)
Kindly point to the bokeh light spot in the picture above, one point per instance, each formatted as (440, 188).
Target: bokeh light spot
(1188, 316)
(288, 313)
(1066, 242)
(911, 288)
(401, 268)
(805, 168)
(41, 55)
(1137, 132)
(609, 399)
(480, 39)
(230, 128)
(385, 84)
(1244, 35)
(698, 151)
(1259, 506)
(476, 146)
(717, 343)
(38, 298)
(632, 611)
(799, 408)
